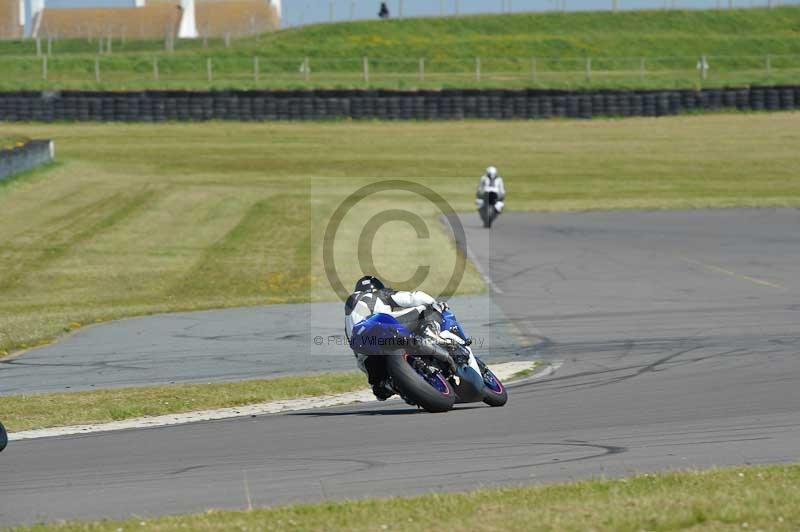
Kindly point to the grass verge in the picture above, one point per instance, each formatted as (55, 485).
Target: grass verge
(751, 498)
(25, 412)
(8, 142)
(525, 373)
(138, 218)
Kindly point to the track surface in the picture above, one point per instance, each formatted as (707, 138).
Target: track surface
(678, 333)
(231, 344)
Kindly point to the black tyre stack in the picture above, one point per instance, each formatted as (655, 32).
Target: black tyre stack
(158, 106)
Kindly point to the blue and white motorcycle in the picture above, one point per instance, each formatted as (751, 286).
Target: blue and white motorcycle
(433, 379)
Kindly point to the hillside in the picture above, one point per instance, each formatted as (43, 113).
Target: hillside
(632, 48)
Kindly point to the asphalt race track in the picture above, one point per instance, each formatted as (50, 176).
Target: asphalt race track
(678, 333)
(230, 344)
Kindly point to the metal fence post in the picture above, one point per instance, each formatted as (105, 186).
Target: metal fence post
(49, 45)
(588, 69)
(38, 47)
(44, 67)
(615, 5)
(255, 69)
(702, 66)
(155, 68)
(400, 8)
(330, 10)
(477, 69)
(366, 69)
(97, 68)
(307, 69)
(209, 70)
(422, 69)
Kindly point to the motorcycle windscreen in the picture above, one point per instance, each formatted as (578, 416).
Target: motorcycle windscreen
(379, 334)
(450, 323)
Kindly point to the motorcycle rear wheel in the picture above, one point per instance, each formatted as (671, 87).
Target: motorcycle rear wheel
(433, 394)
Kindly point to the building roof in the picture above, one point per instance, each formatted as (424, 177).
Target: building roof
(10, 27)
(151, 21)
(154, 20)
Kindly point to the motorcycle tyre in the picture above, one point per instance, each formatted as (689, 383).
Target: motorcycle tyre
(490, 397)
(410, 384)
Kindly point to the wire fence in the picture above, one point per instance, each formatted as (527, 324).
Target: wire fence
(403, 72)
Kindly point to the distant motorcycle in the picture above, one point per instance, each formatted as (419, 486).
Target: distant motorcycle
(489, 206)
(422, 378)
(3, 437)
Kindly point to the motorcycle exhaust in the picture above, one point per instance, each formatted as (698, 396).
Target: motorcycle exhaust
(427, 348)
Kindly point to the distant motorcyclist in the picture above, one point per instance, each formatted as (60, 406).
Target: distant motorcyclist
(491, 181)
(491, 195)
(417, 311)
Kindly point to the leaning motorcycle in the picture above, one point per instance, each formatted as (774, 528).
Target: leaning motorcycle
(422, 377)
(489, 206)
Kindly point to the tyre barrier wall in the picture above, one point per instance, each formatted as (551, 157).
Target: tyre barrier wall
(26, 157)
(157, 106)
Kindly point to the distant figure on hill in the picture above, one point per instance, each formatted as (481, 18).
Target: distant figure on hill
(384, 12)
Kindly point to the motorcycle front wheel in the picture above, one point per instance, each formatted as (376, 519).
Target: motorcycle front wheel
(430, 391)
(488, 216)
(494, 393)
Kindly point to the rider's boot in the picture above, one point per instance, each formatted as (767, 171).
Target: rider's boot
(382, 391)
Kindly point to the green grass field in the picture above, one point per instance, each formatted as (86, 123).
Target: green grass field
(137, 219)
(743, 498)
(737, 43)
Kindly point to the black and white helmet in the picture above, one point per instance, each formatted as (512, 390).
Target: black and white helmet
(368, 283)
(491, 173)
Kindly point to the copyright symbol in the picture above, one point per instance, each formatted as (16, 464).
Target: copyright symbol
(318, 340)
(373, 225)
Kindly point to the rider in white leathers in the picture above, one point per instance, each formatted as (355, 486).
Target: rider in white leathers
(491, 182)
(417, 310)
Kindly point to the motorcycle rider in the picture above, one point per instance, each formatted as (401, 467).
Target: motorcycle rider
(491, 181)
(417, 311)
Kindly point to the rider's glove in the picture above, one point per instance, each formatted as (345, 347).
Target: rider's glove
(440, 306)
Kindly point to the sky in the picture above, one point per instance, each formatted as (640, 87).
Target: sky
(299, 12)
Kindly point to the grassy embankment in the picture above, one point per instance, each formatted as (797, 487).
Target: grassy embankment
(737, 43)
(749, 498)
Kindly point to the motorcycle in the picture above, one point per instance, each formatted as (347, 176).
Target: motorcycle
(490, 206)
(422, 377)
